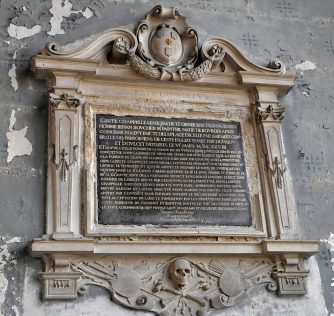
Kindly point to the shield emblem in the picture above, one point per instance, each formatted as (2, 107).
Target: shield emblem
(166, 45)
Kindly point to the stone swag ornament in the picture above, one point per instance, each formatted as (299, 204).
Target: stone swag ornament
(174, 271)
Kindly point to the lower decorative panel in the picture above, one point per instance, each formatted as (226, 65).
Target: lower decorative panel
(178, 286)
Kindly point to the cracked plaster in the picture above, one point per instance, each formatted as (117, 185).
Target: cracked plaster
(5, 258)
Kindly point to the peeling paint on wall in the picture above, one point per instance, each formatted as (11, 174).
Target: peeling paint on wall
(18, 144)
(88, 13)
(12, 76)
(306, 65)
(60, 11)
(15, 310)
(3, 286)
(5, 258)
(3, 279)
(330, 246)
(20, 32)
(19, 171)
(330, 241)
(14, 240)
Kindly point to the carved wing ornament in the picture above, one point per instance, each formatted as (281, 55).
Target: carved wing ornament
(270, 113)
(178, 287)
(65, 99)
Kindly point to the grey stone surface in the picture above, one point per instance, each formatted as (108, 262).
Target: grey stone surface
(294, 31)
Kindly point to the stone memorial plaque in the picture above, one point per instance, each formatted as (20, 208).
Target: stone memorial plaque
(157, 210)
(170, 172)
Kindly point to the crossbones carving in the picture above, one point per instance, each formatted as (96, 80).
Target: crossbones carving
(181, 294)
(179, 272)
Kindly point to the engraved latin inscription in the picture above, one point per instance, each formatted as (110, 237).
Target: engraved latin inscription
(170, 172)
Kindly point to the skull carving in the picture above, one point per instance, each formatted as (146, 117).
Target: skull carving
(179, 272)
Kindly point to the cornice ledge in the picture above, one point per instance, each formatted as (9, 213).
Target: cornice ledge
(305, 248)
(40, 246)
(43, 65)
(84, 246)
(266, 79)
(299, 247)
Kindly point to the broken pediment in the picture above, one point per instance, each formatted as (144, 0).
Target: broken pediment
(164, 47)
(167, 182)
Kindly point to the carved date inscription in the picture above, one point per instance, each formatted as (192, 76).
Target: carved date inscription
(170, 172)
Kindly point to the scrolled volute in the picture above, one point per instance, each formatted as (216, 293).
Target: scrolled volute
(278, 65)
(212, 50)
(98, 49)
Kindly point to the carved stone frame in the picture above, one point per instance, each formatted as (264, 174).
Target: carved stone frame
(77, 251)
(257, 229)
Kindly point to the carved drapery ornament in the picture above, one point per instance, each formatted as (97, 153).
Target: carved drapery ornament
(64, 164)
(78, 251)
(277, 171)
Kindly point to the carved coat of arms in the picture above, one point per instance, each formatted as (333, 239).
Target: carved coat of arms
(168, 48)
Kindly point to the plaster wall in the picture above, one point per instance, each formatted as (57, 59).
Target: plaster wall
(299, 32)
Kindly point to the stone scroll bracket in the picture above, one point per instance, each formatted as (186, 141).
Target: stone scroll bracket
(64, 166)
(290, 274)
